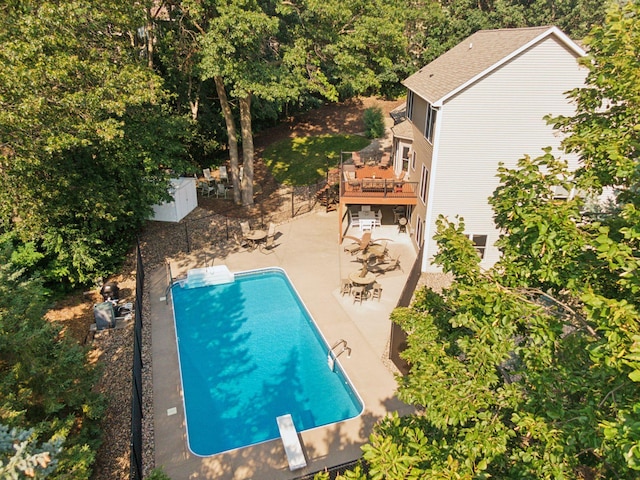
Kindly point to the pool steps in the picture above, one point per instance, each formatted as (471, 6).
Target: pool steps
(332, 356)
(205, 276)
(291, 442)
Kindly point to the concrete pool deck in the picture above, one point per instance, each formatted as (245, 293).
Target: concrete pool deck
(307, 249)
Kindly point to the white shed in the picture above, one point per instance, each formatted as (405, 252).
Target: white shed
(184, 193)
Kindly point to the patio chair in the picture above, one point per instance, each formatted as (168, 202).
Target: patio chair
(224, 176)
(206, 188)
(385, 161)
(241, 241)
(345, 287)
(376, 291)
(359, 294)
(357, 161)
(367, 224)
(267, 246)
(379, 218)
(365, 208)
(271, 232)
(207, 175)
(246, 230)
(221, 190)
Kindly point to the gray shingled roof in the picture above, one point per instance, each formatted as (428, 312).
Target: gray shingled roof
(473, 56)
(403, 130)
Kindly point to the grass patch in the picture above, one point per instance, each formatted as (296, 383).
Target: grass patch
(305, 160)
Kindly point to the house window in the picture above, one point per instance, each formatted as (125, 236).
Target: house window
(479, 243)
(419, 229)
(413, 162)
(424, 178)
(405, 159)
(409, 104)
(430, 124)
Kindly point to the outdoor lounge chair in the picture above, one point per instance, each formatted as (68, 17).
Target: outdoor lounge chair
(393, 264)
(353, 248)
(385, 161)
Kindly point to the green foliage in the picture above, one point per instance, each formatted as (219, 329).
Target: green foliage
(21, 457)
(91, 145)
(157, 474)
(531, 369)
(46, 383)
(305, 160)
(373, 122)
(536, 226)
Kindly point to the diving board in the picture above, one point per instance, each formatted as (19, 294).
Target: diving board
(291, 442)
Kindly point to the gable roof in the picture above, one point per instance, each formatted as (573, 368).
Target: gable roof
(475, 57)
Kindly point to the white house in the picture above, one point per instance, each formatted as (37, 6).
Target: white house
(479, 104)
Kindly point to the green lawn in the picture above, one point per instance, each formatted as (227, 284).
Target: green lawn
(304, 160)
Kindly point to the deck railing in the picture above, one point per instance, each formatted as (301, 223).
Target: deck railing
(378, 188)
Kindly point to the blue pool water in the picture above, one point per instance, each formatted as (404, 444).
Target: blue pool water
(249, 352)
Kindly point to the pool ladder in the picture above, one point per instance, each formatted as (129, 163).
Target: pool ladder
(332, 356)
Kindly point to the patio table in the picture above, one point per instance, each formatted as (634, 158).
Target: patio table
(368, 279)
(256, 236)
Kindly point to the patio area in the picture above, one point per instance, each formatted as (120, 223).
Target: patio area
(307, 249)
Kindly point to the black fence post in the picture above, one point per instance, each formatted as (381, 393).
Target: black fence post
(292, 202)
(135, 455)
(226, 222)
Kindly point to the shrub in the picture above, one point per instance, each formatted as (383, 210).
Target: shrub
(373, 122)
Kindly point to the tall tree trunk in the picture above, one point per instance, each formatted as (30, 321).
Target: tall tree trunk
(247, 149)
(233, 137)
(149, 38)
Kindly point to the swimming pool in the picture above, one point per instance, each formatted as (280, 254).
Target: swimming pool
(249, 352)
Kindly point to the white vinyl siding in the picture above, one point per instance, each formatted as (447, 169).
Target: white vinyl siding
(499, 119)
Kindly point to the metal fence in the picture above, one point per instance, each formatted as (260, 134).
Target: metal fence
(136, 393)
(203, 232)
(338, 470)
(210, 229)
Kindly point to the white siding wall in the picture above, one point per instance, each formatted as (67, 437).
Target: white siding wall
(498, 119)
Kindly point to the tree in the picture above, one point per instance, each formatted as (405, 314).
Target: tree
(20, 455)
(46, 382)
(87, 144)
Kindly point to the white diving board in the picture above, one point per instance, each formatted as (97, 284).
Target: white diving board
(291, 442)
